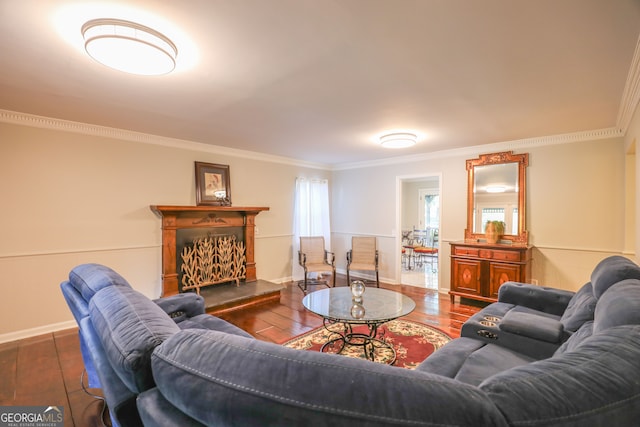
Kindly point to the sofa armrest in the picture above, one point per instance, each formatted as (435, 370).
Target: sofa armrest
(77, 304)
(548, 300)
(533, 326)
(120, 400)
(182, 306)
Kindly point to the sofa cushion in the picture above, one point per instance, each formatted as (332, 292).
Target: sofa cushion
(585, 331)
(448, 360)
(620, 305)
(539, 298)
(580, 308)
(488, 361)
(610, 271)
(532, 325)
(226, 380)
(534, 312)
(596, 386)
(130, 326)
(471, 361)
(88, 279)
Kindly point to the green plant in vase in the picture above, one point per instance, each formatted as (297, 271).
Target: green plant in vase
(493, 230)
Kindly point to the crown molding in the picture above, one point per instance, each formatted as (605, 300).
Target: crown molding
(631, 93)
(527, 143)
(32, 120)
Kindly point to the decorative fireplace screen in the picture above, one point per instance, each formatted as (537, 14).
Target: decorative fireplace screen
(211, 260)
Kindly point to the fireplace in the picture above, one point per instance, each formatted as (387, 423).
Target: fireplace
(206, 245)
(211, 260)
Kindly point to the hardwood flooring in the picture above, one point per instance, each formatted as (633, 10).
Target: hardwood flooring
(47, 369)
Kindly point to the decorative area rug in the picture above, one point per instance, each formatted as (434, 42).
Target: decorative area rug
(412, 341)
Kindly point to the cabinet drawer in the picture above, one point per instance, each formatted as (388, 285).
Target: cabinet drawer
(505, 256)
(466, 251)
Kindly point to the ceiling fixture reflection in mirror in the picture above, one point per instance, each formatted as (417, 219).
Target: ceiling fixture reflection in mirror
(496, 192)
(499, 178)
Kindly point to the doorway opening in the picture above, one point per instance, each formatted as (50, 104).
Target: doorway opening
(419, 213)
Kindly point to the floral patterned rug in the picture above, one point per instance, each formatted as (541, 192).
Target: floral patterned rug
(412, 341)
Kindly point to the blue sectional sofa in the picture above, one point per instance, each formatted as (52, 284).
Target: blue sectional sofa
(530, 323)
(493, 375)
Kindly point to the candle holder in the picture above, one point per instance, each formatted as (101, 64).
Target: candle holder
(357, 289)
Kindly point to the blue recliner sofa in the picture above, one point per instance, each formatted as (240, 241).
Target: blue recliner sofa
(529, 323)
(206, 377)
(121, 383)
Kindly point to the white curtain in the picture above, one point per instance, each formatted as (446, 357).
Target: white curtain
(310, 217)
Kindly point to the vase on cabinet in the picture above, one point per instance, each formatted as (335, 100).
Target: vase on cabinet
(493, 230)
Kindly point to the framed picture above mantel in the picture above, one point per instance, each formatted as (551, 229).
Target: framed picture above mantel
(212, 184)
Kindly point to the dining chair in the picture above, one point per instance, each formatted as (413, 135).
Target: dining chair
(314, 258)
(363, 256)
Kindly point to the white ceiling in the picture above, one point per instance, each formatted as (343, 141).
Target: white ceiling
(317, 80)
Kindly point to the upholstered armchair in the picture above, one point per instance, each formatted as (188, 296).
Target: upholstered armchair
(314, 258)
(363, 256)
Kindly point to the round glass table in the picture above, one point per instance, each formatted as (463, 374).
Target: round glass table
(341, 312)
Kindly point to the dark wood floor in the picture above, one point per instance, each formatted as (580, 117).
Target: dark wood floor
(46, 370)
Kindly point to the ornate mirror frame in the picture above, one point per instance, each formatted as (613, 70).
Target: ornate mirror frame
(494, 159)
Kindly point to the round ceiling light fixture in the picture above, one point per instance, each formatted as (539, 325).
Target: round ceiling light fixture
(398, 140)
(129, 47)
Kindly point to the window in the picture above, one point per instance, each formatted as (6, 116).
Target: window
(492, 214)
(310, 216)
(432, 211)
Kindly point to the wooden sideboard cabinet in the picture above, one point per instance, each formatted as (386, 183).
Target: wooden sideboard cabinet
(479, 269)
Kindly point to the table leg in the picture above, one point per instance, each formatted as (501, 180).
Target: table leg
(370, 342)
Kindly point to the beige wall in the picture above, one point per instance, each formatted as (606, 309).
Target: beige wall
(411, 200)
(575, 208)
(70, 198)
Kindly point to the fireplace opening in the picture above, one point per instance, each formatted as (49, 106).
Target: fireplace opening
(210, 257)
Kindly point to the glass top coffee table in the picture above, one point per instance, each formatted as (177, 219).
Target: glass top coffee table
(341, 312)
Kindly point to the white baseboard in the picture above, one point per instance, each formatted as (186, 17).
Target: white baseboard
(33, 332)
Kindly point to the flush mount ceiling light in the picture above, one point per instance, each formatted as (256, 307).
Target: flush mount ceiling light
(129, 47)
(398, 140)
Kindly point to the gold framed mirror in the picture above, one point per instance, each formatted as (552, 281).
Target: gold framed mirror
(496, 190)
